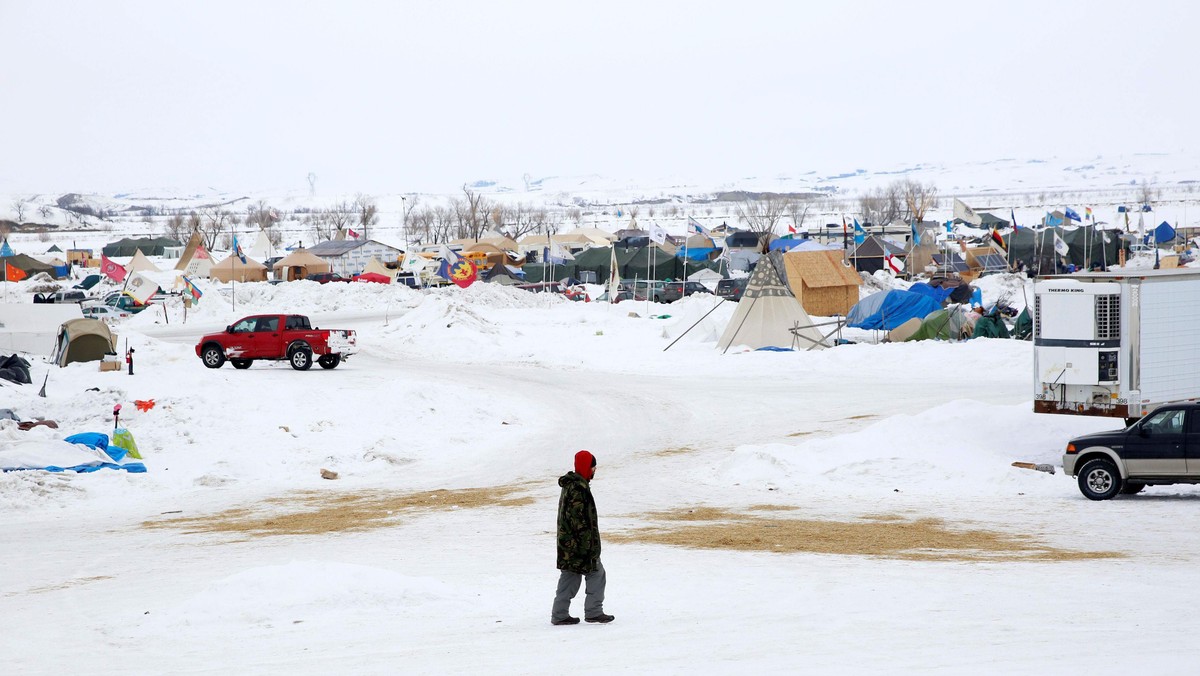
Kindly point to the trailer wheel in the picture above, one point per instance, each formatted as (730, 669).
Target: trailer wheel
(1099, 479)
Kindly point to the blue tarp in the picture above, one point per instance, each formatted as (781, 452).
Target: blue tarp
(699, 253)
(889, 309)
(1163, 233)
(938, 293)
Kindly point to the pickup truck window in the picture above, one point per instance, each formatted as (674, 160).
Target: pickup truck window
(270, 324)
(297, 323)
(246, 325)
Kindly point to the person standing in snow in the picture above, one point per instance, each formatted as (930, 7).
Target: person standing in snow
(579, 546)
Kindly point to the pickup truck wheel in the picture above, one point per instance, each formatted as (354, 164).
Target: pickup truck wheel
(240, 363)
(213, 357)
(329, 361)
(1099, 479)
(1132, 488)
(301, 358)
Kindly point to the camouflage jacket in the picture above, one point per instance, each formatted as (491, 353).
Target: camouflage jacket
(578, 527)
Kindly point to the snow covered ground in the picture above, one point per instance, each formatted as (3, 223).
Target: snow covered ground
(490, 392)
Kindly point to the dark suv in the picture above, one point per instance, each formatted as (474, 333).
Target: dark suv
(1161, 448)
(731, 289)
(677, 290)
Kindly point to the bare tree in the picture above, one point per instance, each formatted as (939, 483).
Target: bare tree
(19, 204)
(882, 206)
(328, 222)
(215, 221)
(368, 213)
(45, 211)
(919, 198)
(798, 209)
(762, 215)
(1147, 192)
(473, 211)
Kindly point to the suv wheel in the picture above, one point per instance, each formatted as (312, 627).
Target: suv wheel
(1099, 479)
(212, 357)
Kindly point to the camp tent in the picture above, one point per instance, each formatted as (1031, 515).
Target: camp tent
(944, 324)
(500, 273)
(263, 248)
(889, 309)
(823, 284)
(298, 265)
(378, 268)
(150, 246)
(232, 269)
(195, 260)
(870, 255)
(707, 277)
(27, 264)
(141, 264)
(768, 315)
(83, 340)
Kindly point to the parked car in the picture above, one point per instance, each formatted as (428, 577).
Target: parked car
(1161, 448)
(327, 277)
(276, 337)
(574, 292)
(683, 289)
(653, 290)
(68, 296)
(106, 313)
(731, 289)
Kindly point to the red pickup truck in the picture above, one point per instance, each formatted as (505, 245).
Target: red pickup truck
(276, 337)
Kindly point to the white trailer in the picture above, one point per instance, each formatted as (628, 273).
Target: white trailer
(1116, 344)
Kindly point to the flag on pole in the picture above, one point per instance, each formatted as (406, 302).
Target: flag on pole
(112, 269)
(1052, 220)
(1060, 247)
(792, 229)
(949, 226)
(657, 234)
(860, 235)
(695, 228)
(13, 273)
(916, 235)
(191, 288)
(6, 250)
(998, 242)
(1072, 214)
(896, 265)
(457, 269)
(141, 288)
(1088, 212)
(1013, 216)
(614, 276)
(413, 262)
(237, 250)
(965, 213)
(353, 234)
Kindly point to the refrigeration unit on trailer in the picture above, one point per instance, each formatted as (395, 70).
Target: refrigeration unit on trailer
(1116, 345)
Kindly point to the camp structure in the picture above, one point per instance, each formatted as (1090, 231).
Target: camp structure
(707, 277)
(83, 340)
(348, 257)
(195, 260)
(823, 284)
(501, 274)
(944, 324)
(232, 269)
(141, 264)
(298, 265)
(768, 315)
(27, 264)
(33, 327)
(263, 248)
(889, 309)
(870, 256)
(150, 246)
(374, 266)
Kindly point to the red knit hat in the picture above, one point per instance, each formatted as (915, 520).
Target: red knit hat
(585, 465)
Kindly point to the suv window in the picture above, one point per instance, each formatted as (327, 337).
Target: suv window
(1165, 422)
(1193, 422)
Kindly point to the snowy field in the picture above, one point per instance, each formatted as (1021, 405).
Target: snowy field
(890, 533)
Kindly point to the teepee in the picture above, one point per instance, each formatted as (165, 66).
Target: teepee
(768, 315)
(139, 263)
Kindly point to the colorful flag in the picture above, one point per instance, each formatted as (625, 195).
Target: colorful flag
(998, 241)
(1072, 214)
(6, 250)
(860, 235)
(695, 228)
(12, 273)
(112, 269)
(792, 229)
(191, 288)
(457, 269)
(916, 235)
(1013, 216)
(1052, 220)
(237, 250)
(896, 265)
(140, 288)
(353, 234)
(949, 226)
(1088, 211)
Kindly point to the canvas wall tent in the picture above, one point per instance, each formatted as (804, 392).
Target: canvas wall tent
(83, 340)
(768, 315)
(823, 284)
(944, 324)
(32, 328)
(150, 246)
(869, 256)
(707, 277)
(232, 269)
(27, 264)
(349, 257)
(636, 263)
(298, 265)
(140, 263)
(1086, 245)
(889, 309)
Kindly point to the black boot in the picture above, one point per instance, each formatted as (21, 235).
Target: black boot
(601, 618)
(567, 620)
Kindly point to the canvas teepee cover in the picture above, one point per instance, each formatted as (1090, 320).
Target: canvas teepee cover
(378, 268)
(140, 263)
(195, 261)
(768, 311)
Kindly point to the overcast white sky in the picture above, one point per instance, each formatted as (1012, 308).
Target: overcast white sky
(399, 96)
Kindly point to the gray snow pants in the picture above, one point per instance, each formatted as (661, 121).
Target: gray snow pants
(568, 587)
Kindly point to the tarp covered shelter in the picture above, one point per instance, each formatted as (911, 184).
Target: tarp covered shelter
(150, 246)
(83, 340)
(823, 284)
(1087, 247)
(990, 326)
(769, 315)
(232, 269)
(140, 263)
(27, 264)
(889, 309)
(298, 265)
(944, 324)
(640, 262)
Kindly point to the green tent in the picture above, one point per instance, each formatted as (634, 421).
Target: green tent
(990, 326)
(1023, 328)
(149, 246)
(30, 266)
(941, 324)
(636, 262)
(1086, 244)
